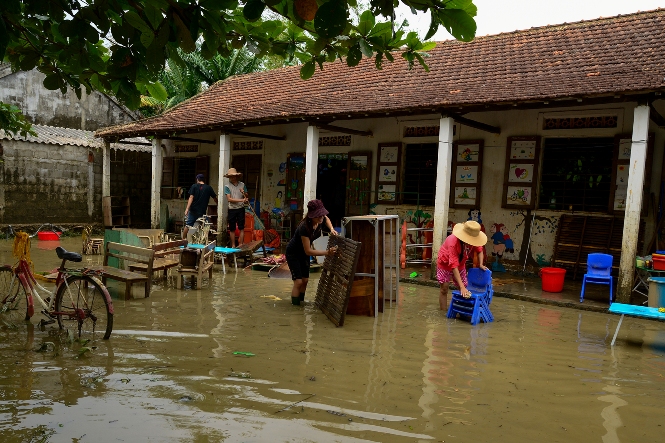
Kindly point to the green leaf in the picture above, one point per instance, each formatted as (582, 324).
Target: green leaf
(52, 82)
(147, 39)
(421, 61)
(458, 23)
(354, 56)
(4, 39)
(157, 91)
(434, 25)
(307, 70)
(253, 10)
(153, 15)
(365, 48)
(185, 38)
(330, 20)
(366, 23)
(428, 46)
(135, 20)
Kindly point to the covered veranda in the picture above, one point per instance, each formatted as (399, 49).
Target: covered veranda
(495, 89)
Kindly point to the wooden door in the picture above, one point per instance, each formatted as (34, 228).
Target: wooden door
(250, 167)
(358, 183)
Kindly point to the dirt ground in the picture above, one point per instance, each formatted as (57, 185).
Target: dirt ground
(169, 372)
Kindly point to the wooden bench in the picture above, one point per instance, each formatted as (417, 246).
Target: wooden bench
(131, 254)
(196, 262)
(167, 255)
(634, 311)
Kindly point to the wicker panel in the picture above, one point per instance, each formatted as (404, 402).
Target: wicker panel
(334, 290)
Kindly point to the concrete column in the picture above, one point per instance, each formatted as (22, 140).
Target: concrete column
(223, 207)
(311, 165)
(631, 223)
(155, 195)
(106, 169)
(442, 196)
(91, 183)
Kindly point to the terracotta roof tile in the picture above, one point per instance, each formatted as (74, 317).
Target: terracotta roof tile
(589, 58)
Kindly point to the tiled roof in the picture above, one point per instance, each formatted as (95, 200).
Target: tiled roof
(73, 137)
(623, 54)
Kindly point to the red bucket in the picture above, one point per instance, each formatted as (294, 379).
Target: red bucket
(552, 279)
(48, 235)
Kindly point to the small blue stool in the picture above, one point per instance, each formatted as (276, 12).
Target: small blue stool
(477, 306)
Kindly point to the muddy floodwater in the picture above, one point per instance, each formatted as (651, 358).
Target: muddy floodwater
(169, 372)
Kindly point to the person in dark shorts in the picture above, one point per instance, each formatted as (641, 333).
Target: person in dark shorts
(299, 249)
(236, 194)
(197, 205)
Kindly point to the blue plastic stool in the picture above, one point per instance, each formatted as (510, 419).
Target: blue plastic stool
(599, 271)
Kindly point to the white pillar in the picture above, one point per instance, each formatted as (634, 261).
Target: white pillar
(442, 196)
(223, 206)
(155, 195)
(631, 223)
(311, 165)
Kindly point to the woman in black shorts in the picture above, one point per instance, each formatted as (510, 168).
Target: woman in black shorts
(299, 249)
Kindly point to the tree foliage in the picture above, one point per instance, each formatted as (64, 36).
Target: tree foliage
(13, 122)
(120, 47)
(185, 80)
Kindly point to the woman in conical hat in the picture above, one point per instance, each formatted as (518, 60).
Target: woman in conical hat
(466, 239)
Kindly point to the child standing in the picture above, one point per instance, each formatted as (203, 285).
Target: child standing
(299, 249)
(466, 239)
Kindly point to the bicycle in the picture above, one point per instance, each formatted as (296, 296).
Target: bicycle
(80, 299)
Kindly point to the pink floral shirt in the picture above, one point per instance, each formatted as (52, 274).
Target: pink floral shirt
(448, 258)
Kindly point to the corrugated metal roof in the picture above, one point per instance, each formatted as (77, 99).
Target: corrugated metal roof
(53, 135)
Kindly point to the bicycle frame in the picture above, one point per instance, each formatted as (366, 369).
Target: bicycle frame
(23, 274)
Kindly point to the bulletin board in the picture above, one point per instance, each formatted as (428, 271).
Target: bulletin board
(466, 174)
(388, 172)
(294, 182)
(520, 184)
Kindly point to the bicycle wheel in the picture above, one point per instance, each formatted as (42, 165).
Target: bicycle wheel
(83, 305)
(13, 300)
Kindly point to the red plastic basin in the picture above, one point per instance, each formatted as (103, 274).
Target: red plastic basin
(49, 235)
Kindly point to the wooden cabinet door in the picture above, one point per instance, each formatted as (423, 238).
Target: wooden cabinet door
(358, 183)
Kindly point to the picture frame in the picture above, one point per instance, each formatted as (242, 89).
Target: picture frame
(520, 182)
(388, 172)
(465, 180)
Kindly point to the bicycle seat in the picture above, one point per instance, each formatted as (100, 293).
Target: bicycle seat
(65, 255)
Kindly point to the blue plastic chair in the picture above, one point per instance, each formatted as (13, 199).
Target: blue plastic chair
(475, 307)
(599, 271)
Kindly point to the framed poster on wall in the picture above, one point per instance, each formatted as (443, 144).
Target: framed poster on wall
(465, 182)
(619, 180)
(388, 172)
(520, 183)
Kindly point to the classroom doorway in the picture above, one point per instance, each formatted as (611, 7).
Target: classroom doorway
(331, 185)
(250, 167)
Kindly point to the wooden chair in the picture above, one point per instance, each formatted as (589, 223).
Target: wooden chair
(167, 255)
(91, 245)
(131, 254)
(196, 262)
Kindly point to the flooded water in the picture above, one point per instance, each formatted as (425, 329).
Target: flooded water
(169, 372)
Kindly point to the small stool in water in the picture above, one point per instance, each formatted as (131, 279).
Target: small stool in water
(477, 307)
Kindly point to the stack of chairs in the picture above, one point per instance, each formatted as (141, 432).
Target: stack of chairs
(476, 307)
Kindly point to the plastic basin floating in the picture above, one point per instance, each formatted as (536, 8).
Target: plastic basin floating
(48, 235)
(552, 279)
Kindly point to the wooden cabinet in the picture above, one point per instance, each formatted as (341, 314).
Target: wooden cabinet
(116, 211)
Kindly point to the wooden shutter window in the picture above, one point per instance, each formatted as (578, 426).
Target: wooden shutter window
(167, 189)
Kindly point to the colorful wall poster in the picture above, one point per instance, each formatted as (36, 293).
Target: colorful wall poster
(521, 172)
(465, 195)
(466, 174)
(389, 154)
(523, 149)
(388, 173)
(387, 192)
(519, 195)
(468, 153)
